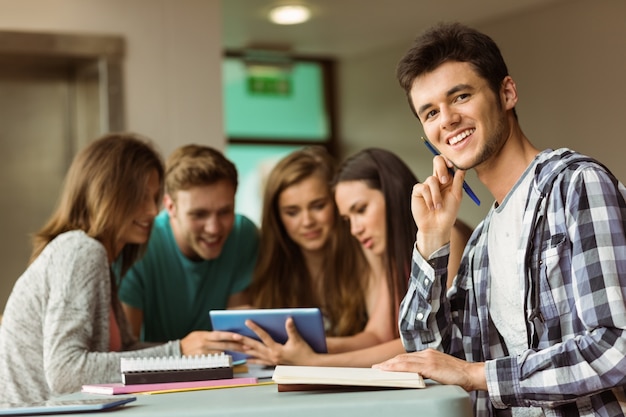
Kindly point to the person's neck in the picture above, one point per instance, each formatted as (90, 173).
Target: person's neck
(504, 169)
(314, 261)
(375, 264)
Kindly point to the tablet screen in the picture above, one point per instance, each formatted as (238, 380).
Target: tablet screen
(64, 406)
(308, 321)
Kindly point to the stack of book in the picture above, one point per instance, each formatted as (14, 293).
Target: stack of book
(172, 374)
(155, 370)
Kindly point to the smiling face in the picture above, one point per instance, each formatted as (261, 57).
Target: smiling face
(461, 114)
(307, 212)
(137, 229)
(202, 218)
(365, 208)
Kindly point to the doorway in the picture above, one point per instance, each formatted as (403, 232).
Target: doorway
(57, 92)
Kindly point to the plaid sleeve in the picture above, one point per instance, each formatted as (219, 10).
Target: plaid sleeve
(424, 312)
(582, 349)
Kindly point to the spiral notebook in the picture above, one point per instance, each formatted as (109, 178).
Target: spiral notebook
(153, 370)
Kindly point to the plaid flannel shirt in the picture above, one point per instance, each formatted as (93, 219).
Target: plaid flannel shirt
(572, 267)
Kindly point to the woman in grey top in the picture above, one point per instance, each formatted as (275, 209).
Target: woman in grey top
(63, 325)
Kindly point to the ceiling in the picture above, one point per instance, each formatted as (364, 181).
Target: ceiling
(344, 28)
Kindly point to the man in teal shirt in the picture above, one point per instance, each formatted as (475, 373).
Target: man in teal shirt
(200, 256)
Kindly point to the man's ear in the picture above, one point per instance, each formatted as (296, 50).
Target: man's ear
(169, 204)
(508, 93)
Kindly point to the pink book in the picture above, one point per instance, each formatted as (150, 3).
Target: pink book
(119, 388)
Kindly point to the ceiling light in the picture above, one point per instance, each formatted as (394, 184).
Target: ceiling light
(290, 14)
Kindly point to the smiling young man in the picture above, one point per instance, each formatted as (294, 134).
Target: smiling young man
(535, 321)
(200, 255)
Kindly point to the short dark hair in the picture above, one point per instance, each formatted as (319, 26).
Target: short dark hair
(197, 165)
(452, 42)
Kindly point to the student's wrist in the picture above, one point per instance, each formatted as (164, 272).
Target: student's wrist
(427, 244)
(477, 376)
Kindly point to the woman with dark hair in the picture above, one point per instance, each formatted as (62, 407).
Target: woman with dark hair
(367, 186)
(372, 193)
(63, 324)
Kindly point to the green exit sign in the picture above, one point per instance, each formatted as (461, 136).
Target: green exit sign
(269, 85)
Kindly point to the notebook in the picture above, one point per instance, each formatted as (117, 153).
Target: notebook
(154, 370)
(308, 321)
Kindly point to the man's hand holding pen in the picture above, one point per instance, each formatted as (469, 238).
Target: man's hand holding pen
(435, 204)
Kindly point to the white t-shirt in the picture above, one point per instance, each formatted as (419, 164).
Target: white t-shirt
(506, 295)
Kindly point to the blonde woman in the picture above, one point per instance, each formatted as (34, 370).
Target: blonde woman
(307, 257)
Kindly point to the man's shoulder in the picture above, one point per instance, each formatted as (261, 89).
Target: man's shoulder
(161, 221)
(243, 238)
(244, 226)
(561, 162)
(161, 230)
(557, 156)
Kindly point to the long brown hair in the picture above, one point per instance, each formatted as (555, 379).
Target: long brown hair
(103, 187)
(281, 278)
(382, 170)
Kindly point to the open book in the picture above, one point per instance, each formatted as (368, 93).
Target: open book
(292, 378)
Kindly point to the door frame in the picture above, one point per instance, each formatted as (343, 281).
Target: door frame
(82, 50)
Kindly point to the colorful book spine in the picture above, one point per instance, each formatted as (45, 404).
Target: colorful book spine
(118, 388)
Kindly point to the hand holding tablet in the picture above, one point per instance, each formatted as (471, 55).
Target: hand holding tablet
(308, 321)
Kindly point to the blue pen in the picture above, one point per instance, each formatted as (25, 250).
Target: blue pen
(466, 187)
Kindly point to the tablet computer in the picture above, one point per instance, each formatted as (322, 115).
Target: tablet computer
(308, 321)
(56, 406)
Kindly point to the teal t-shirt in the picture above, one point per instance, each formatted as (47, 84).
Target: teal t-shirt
(175, 293)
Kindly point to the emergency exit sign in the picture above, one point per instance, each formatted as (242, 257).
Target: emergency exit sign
(269, 85)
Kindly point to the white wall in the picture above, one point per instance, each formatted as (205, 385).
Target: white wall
(172, 67)
(569, 62)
